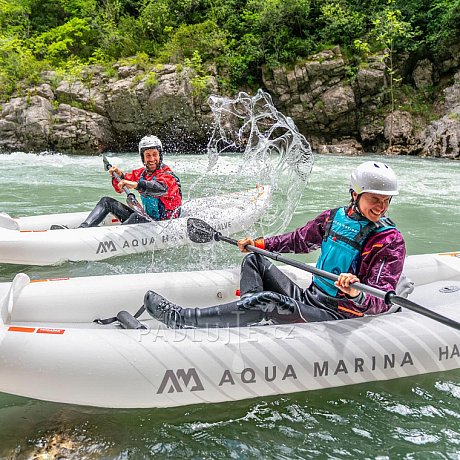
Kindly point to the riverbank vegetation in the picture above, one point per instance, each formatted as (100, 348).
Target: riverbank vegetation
(234, 37)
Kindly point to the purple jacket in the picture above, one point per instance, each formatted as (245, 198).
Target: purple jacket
(382, 260)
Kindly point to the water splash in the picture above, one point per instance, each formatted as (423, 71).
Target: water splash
(270, 149)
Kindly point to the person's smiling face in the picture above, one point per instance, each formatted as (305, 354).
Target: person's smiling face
(372, 205)
(152, 159)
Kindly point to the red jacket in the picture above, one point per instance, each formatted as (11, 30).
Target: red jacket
(171, 200)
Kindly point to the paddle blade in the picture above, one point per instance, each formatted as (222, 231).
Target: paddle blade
(107, 165)
(200, 232)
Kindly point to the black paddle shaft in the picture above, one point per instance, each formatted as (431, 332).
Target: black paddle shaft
(107, 166)
(316, 271)
(201, 232)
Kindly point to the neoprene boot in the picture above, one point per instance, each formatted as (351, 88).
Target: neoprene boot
(225, 315)
(163, 310)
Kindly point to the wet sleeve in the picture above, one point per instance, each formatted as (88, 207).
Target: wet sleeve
(152, 188)
(302, 240)
(132, 176)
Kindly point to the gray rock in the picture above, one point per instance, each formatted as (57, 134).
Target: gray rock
(441, 138)
(76, 130)
(26, 124)
(93, 113)
(398, 127)
(349, 147)
(423, 74)
(336, 110)
(370, 81)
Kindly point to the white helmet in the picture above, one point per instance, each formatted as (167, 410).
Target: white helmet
(150, 142)
(374, 177)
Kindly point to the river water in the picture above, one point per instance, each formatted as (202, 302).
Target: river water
(412, 418)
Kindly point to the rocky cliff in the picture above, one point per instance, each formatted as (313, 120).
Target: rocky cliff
(343, 113)
(98, 112)
(338, 108)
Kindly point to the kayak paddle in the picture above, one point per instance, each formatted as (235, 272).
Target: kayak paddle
(201, 232)
(130, 197)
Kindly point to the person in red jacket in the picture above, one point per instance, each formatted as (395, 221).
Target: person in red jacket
(358, 242)
(158, 186)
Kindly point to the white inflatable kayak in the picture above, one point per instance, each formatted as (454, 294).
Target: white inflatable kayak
(29, 240)
(51, 349)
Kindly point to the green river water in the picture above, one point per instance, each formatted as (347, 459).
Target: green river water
(412, 418)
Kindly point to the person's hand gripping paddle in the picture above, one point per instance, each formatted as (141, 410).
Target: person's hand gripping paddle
(130, 197)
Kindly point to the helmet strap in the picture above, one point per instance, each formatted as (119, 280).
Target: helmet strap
(355, 203)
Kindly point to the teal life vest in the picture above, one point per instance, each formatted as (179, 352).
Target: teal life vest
(342, 245)
(151, 206)
(154, 207)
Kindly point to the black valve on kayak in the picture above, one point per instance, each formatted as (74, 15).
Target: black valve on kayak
(128, 321)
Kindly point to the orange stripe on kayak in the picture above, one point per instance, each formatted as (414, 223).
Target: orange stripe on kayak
(32, 231)
(50, 330)
(453, 254)
(49, 279)
(21, 329)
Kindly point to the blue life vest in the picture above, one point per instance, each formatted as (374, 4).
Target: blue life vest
(342, 244)
(153, 206)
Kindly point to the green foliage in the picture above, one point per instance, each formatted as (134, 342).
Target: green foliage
(445, 26)
(155, 18)
(140, 60)
(417, 104)
(361, 47)
(151, 81)
(280, 29)
(342, 24)
(200, 82)
(14, 18)
(64, 42)
(18, 66)
(241, 61)
(119, 34)
(49, 14)
(205, 38)
(236, 36)
(390, 26)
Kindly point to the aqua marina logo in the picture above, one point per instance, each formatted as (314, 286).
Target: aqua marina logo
(106, 246)
(172, 381)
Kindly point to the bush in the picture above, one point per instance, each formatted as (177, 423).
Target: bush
(61, 43)
(18, 66)
(205, 38)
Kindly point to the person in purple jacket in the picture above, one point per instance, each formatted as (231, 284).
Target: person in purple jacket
(358, 243)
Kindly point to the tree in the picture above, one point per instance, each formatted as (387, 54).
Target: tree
(388, 27)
